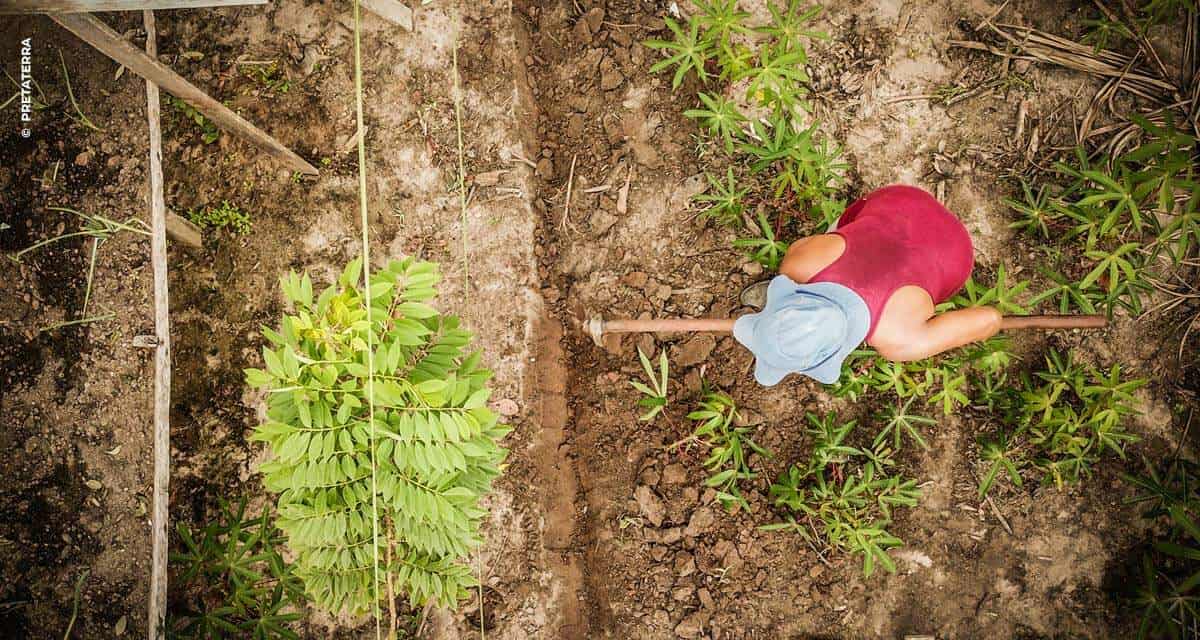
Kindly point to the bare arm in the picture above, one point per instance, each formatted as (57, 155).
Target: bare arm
(906, 341)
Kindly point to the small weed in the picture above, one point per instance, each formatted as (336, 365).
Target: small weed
(1169, 593)
(209, 132)
(268, 76)
(687, 52)
(730, 448)
(240, 584)
(763, 249)
(844, 495)
(224, 216)
(654, 396)
(725, 201)
(721, 117)
(1068, 417)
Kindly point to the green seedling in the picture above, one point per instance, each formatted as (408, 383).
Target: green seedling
(764, 249)
(224, 216)
(725, 201)
(720, 117)
(844, 494)
(730, 448)
(1038, 212)
(721, 22)
(381, 442)
(1169, 593)
(209, 132)
(654, 396)
(1102, 32)
(687, 52)
(1069, 416)
(1001, 295)
(788, 25)
(777, 78)
(239, 582)
(899, 423)
(268, 76)
(78, 117)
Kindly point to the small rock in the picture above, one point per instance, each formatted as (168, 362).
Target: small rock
(575, 126)
(83, 159)
(674, 473)
(691, 626)
(545, 169)
(701, 521)
(610, 76)
(650, 505)
(816, 571)
(706, 599)
(658, 552)
(594, 18)
(752, 268)
(685, 564)
(635, 279)
(695, 351)
(670, 536)
(507, 407)
(683, 593)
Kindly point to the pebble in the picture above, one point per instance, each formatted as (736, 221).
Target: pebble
(695, 351)
(701, 521)
(674, 473)
(649, 504)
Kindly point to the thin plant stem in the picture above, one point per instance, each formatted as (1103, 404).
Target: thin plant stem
(43, 243)
(68, 323)
(75, 603)
(71, 94)
(87, 293)
(462, 173)
(364, 220)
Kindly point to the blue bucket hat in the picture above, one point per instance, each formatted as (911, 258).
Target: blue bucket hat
(804, 328)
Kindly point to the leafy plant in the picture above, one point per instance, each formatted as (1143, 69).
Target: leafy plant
(268, 76)
(1169, 593)
(899, 423)
(1069, 416)
(238, 583)
(725, 201)
(844, 495)
(788, 25)
(730, 448)
(764, 249)
(687, 52)
(654, 396)
(382, 444)
(223, 216)
(721, 21)
(209, 132)
(721, 117)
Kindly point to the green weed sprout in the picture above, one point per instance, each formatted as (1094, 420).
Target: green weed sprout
(764, 249)
(687, 52)
(721, 117)
(209, 132)
(400, 493)
(899, 423)
(225, 216)
(239, 582)
(1169, 593)
(725, 201)
(844, 494)
(729, 446)
(1069, 416)
(654, 396)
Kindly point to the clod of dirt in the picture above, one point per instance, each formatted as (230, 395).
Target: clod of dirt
(674, 473)
(610, 75)
(650, 505)
(695, 350)
(594, 18)
(692, 626)
(702, 520)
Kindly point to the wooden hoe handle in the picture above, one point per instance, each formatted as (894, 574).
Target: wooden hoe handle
(1053, 322)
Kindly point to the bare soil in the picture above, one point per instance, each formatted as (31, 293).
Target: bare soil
(598, 530)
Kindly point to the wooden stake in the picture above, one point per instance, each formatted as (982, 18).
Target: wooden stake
(91, 6)
(91, 30)
(162, 356)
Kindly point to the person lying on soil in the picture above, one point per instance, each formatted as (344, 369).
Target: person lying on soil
(876, 276)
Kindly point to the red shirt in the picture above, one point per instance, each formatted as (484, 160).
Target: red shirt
(897, 236)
